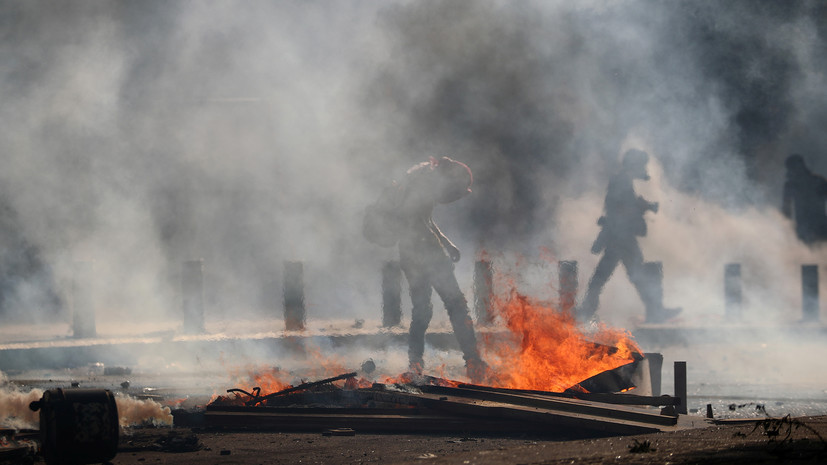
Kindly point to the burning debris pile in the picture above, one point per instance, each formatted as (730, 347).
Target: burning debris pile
(546, 376)
(436, 405)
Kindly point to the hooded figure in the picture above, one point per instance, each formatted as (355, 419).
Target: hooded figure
(427, 258)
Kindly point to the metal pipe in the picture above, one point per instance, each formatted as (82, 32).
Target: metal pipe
(568, 285)
(809, 292)
(83, 305)
(680, 387)
(192, 293)
(732, 291)
(294, 311)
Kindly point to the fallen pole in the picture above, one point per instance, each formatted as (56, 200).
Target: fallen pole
(619, 399)
(258, 400)
(572, 406)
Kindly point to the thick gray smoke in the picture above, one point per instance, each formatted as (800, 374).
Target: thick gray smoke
(139, 135)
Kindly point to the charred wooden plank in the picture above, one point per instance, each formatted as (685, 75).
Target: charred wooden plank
(257, 400)
(577, 406)
(620, 399)
(552, 414)
(364, 422)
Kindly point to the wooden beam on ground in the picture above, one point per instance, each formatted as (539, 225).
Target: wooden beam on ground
(577, 406)
(558, 413)
(618, 399)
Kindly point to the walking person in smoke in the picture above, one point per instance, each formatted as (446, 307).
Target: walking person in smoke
(621, 224)
(427, 257)
(805, 194)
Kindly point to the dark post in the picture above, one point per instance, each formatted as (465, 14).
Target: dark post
(732, 290)
(83, 306)
(653, 274)
(192, 293)
(655, 369)
(568, 285)
(809, 292)
(483, 289)
(391, 294)
(680, 386)
(294, 312)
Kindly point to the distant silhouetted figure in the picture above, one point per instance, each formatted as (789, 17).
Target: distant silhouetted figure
(804, 199)
(622, 222)
(427, 258)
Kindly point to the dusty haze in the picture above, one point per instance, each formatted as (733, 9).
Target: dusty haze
(139, 135)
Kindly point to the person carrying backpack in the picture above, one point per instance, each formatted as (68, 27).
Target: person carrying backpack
(427, 257)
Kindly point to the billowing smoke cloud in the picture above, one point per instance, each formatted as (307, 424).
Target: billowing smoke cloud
(15, 411)
(138, 135)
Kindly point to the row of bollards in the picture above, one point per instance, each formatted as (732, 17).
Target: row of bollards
(192, 291)
(192, 298)
(733, 293)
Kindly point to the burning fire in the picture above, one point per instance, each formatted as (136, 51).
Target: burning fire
(544, 349)
(539, 348)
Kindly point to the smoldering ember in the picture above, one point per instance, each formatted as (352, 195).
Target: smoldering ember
(468, 231)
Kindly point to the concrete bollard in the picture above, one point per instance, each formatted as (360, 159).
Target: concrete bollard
(809, 292)
(83, 305)
(568, 285)
(192, 296)
(391, 294)
(655, 369)
(483, 291)
(680, 387)
(653, 293)
(732, 291)
(294, 311)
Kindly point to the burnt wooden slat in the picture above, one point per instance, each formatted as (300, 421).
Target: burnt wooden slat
(363, 422)
(619, 399)
(597, 421)
(577, 406)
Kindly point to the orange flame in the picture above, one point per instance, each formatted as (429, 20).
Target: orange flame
(545, 350)
(542, 348)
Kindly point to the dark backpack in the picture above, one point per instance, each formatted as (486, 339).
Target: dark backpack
(383, 223)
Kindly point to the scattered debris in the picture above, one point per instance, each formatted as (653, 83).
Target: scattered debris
(117, 371)
(368, 366)
(256, 398)
(436, 405)
(175, 442)
(339, 432)
(781, 443)
(641, 447)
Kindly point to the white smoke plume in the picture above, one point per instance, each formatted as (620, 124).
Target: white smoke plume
(139, 135)
(141, 412)
(15, 411)
(14, 406)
